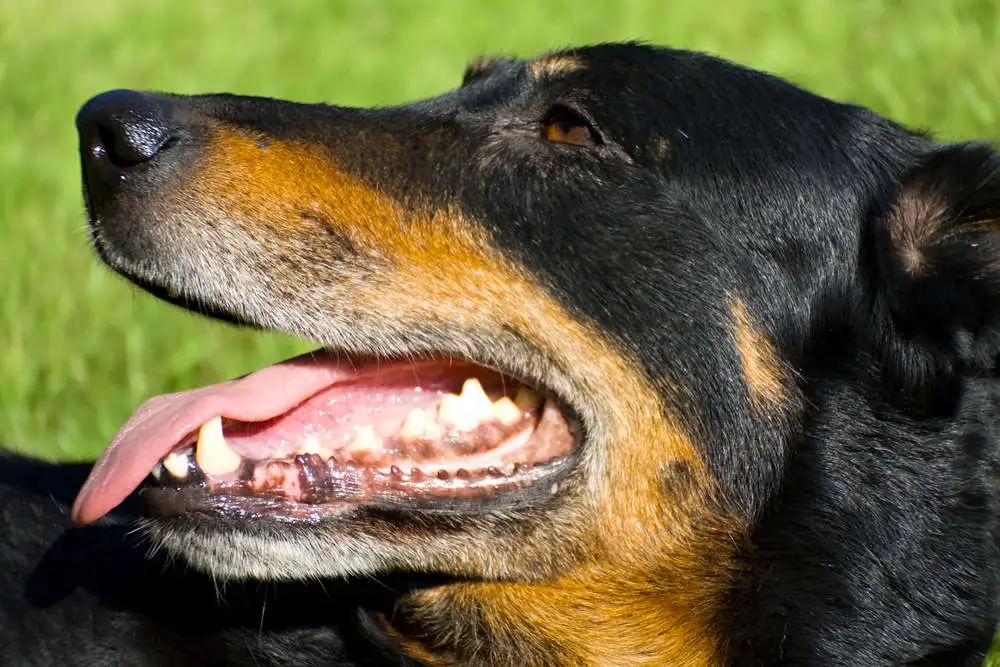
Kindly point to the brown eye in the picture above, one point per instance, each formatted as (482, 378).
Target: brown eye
(567, 127)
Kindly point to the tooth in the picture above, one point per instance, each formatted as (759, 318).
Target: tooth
(477, 403)
(212, 453)
(527, 399)
(413, 425)
(176, 464)
(506, 412)
(312, 445)
(431, 430)
(158, 471)
(365, 440)
(453, 412)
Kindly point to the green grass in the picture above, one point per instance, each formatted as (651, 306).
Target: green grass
(79, 349)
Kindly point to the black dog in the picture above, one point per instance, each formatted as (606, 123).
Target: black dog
(631, 357)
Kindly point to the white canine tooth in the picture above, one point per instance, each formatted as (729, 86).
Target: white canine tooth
(365, 440)
(455, 413)
(527, 399)
(176, 464)
(312, 445)
(506, 412)
(450, 409)
(477, 403)
(413, 425)
(212, 453)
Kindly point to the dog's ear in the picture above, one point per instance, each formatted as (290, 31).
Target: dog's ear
(940, 254)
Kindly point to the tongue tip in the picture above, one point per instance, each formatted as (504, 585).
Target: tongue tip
(91, 504)
(81, 514)
(159, 423)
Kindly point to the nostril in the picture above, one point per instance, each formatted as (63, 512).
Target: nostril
(124, 128)
(126, 150)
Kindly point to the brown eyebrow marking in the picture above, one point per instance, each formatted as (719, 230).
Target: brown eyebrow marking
(555, 65)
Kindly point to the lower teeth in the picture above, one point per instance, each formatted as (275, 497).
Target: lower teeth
(183, 468)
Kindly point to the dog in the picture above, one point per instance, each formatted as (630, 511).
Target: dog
(627, 356)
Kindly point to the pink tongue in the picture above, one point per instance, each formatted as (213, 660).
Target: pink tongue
(162, 421)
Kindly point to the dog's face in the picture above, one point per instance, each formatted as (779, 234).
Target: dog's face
(635, 254)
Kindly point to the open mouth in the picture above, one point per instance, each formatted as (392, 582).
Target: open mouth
(426, 429)
(322, 431)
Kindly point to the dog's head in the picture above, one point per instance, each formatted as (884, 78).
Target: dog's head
(569, 315)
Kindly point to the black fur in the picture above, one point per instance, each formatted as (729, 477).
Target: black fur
(867, 254)
(91, 597)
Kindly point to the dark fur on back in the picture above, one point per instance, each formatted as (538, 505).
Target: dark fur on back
(776, 317)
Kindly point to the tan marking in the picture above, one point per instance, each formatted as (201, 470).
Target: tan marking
(637, 606)
(762, 368)
(657, 561)
(556, 65)
(410, 647)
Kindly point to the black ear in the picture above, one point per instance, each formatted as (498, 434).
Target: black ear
(940, 253)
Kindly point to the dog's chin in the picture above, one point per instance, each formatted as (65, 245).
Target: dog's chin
(268, 551)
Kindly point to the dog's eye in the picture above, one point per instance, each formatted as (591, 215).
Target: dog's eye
(565, 126)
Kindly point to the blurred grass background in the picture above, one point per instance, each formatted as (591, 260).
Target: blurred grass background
(79, 349)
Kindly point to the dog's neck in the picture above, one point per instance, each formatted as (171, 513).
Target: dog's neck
(647, 591)
(595, 615)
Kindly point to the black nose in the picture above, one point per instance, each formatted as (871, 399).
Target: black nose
(120, 129)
